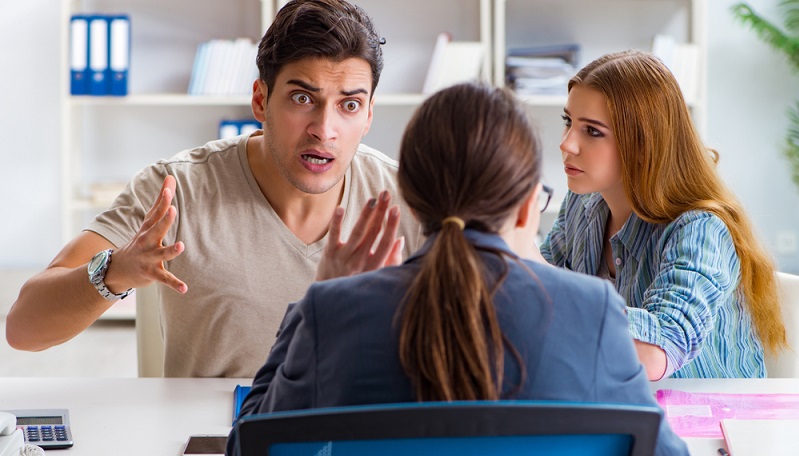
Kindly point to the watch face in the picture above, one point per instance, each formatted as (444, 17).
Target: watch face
(98, 261)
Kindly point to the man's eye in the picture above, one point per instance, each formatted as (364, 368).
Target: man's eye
(352, 105)
(301, 98)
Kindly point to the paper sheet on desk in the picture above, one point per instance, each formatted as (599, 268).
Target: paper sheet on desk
(760, 437)
(700, 414)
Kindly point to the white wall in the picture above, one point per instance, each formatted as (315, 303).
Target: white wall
(750, 88)
(29, 128)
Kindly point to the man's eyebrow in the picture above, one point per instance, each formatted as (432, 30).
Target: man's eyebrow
(349, 93)
(310, 88)
(303, 84)
(587, 120)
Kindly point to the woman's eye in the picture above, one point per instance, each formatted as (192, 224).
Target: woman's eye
(593, 132)
(567, 121)
(301, 98)
(352, 105)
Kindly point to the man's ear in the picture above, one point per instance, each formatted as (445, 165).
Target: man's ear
(259, 95)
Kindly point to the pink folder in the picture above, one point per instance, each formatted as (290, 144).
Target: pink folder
(700, 414)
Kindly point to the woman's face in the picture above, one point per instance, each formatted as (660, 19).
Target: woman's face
(588, 147)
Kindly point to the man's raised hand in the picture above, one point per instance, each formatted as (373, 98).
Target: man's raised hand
(141, 261)
(356, 255)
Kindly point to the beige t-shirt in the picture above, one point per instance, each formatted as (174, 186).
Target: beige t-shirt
(242, 265)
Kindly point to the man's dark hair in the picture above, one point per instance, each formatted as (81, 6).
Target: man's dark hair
(330, 29)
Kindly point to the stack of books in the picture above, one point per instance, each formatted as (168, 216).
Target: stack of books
(224, 67)
(541, 70)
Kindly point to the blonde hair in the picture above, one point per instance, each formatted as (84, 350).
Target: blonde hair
(667, 170)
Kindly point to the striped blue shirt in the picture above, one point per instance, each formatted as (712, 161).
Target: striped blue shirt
(680, 282)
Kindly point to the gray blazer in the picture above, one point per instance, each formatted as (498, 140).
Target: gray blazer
(339, 345)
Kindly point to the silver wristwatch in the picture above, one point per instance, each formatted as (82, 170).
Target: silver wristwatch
(97, 269)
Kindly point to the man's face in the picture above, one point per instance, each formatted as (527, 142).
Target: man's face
(314, 119)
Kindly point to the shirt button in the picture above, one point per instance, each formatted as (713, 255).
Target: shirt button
(618, 261)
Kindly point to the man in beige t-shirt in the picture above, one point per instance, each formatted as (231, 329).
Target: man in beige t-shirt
(232, 232)
(243, 263)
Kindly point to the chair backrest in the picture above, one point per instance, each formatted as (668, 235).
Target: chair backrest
(454, 428)
(786, 363)
(149, 336)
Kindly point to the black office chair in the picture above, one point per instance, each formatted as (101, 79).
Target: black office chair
(455, 428)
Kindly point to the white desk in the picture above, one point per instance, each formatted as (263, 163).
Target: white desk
(130, 416)
(155, 416)
(709, 447)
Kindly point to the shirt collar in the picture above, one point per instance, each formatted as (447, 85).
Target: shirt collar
(633, 234)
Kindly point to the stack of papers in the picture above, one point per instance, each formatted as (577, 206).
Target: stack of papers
(543, 70)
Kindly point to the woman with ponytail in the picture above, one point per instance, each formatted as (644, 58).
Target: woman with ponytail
(467, 317)
(648, 211)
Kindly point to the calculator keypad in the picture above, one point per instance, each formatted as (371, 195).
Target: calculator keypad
(45, 433)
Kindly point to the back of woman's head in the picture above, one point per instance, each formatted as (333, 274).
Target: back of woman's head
(667, 170)
(469, 151)
(469, 156)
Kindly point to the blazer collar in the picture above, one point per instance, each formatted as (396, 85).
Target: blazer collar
(475, 237)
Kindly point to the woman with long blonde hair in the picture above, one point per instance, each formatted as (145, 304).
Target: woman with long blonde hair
(647, 210)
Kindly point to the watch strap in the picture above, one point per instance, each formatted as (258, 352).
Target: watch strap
(97, 278)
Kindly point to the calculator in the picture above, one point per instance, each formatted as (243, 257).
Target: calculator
(47, 428)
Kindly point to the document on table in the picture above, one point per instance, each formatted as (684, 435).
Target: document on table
(760, 437)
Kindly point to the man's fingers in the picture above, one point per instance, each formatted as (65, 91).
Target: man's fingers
(334, 233)
(157, 232)
(161, 203)
(386, 245)
(170, 252)
(362, 224)
(361, 243)
(168, 279)
(395, 257)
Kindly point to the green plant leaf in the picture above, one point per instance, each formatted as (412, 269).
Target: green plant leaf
(789, 45)
(791, 150)
(791, 10)
(770, 33)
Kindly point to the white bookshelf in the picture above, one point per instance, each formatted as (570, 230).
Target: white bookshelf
(108, 139)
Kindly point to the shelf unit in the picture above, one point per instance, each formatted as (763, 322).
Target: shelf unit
(164, 39)
(110, 138)
(157, 84)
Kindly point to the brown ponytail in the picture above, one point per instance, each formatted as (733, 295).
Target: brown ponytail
(469, 152)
